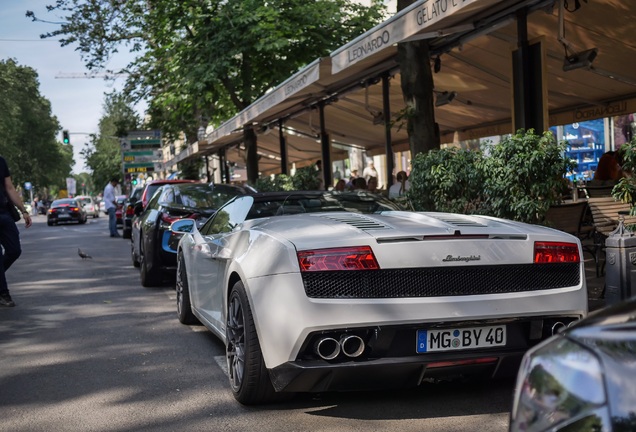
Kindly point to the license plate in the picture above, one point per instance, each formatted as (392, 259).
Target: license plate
(460, 338)
(64, 215)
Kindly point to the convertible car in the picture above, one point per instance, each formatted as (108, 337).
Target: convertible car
(328, 291)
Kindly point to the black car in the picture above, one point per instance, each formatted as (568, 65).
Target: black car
(129, 210)
(153, 245)
(583, 378)
(64, 211)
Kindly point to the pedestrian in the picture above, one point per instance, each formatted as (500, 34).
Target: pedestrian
(110, 205)
(401, 187)
(319, 175)
(9, 234)
(369, 171)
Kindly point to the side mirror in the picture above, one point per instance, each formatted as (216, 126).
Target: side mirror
(182, 226)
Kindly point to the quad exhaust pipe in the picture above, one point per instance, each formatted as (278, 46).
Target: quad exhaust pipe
(558, 327)
(328, 348)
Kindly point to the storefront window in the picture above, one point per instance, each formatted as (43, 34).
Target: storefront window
(586, 145)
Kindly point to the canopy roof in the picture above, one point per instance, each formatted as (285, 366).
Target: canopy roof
(474, 44)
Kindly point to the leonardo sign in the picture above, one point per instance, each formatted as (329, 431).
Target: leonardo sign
(429, 15)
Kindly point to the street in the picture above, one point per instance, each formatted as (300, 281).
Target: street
(87, 348)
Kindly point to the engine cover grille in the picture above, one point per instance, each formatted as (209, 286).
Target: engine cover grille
(437, 282)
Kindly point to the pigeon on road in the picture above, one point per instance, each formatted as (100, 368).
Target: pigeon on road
(83, 254)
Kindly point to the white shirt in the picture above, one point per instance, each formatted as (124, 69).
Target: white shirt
(394, 190)
(109, 196)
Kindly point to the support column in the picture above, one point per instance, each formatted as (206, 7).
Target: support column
(249, 140)
(325, 146)
(386, 112)
(283, 149)
(529, 93)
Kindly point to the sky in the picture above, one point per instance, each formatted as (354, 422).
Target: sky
(77, 103)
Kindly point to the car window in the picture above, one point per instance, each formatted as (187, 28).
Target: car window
(229, 216)
(153, 203)
(167, 195)
(85, 200)
(204, 196)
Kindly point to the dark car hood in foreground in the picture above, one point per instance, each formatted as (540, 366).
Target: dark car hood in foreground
(611, 334)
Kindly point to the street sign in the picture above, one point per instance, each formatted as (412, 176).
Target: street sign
(144, 134)
(142, 139)
(137, 156)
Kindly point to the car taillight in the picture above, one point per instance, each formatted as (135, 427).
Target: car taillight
(556, 252)
(130, 210)
(350, 258)
(75, 209)
(52, 210)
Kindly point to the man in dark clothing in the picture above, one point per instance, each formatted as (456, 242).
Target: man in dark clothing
(9, 234)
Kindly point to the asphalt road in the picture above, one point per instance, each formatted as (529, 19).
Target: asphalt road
(89, 349)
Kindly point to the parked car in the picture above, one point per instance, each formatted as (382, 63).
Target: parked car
(91, 208)
(102, 207)
(583, 378)
(64, 211)
(129, 211)
(319, 291)
(119, 211)
(153, 244)
(151, 187)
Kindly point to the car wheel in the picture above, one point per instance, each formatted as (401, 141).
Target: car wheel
(49, 223)
(184, 307)
(135, 259)
(148, 278)
(126, 234)
(249, 378)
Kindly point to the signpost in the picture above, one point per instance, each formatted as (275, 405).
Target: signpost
(139, 152)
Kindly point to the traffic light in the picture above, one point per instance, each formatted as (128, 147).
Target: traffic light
(66, 139)
(134, 182)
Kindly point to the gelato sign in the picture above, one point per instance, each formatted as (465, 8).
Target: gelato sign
(427, 15)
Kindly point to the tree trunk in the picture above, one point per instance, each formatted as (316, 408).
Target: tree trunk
(251, 159)
(417, 90)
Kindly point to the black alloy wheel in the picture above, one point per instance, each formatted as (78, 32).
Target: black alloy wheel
(184, 307)
(149, 278)
(249, 378)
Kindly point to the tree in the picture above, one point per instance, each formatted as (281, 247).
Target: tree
(203, 62)
(28, 131)
(103, 154)
(417, 89)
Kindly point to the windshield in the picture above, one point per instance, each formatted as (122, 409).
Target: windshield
(304, 202)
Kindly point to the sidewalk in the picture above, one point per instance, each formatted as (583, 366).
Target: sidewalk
(595, 284)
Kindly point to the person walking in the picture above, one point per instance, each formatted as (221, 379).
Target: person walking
(9, 234)
(110, 205)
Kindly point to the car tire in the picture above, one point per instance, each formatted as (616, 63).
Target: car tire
(49, 223)
(249, 378)
(135, 258)
(126, 234)
(148, 278)
(184, 307)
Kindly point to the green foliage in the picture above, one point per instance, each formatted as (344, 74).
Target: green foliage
(28, 131)
(304, 179)
(524, 175)
(625, 190)
(448, 180)
(518, 179)
(190, 170)
(280, 182)
(205, 61)
(103, 154)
